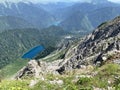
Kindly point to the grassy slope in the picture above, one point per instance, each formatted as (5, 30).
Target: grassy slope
(100, 80)
(55, 56)
(9, 70)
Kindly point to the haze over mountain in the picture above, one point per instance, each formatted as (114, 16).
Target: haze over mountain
(77, 22)
(86, 63)
(28, 11)
(94, 9)
(11, 22)
(61, 13)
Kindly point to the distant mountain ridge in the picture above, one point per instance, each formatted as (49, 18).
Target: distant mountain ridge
(96, 14)
(71, 23)
(29, 12)
(10, 23)
(66, 15)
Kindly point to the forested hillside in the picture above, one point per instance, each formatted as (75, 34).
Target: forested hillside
(14, 43)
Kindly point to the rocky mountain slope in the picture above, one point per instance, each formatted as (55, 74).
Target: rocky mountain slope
(95, 47)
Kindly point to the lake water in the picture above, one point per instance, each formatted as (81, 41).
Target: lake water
(33, 52)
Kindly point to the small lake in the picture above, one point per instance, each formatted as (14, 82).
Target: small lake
(33, 52)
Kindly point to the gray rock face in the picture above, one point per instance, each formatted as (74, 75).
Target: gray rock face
(34, 68)
(38, 69)
(104, 39)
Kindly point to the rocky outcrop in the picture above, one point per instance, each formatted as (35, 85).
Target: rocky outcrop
(38, 69)
(92, 48)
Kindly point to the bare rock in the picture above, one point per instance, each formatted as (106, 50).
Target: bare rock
(38, 69)
(59, 82)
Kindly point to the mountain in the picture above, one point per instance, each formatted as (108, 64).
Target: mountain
(77, 22)
(14, 43)
(10, 22)
(91, 63)
(67, 15)
(95, 14)
(101, 15)
(53, 7)
(99, 47)
(88, 63)
(56, 9)
(28, 11)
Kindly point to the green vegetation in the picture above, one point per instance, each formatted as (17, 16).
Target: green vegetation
(14, 43)
(55, 56)
(11, 69)
(107, 75)
(11, 22)
(14, 85)
(102, 24)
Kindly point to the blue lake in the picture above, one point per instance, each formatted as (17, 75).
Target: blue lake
(33, 52)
